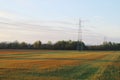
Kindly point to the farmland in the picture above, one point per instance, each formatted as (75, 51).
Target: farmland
(59, 65)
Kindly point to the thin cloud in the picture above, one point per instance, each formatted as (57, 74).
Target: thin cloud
(7, 15)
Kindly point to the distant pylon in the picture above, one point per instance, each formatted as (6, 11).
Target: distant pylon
(105, 40)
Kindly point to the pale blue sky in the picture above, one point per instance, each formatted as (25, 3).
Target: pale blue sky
(30, 20)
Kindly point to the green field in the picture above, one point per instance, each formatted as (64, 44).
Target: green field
(59, 65)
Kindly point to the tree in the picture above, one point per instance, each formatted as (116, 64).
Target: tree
(14, 45)
(3, 45)
(68, 45)
(23, 45)
(37, 44)
(60, 45)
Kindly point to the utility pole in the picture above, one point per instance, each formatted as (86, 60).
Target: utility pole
(80, 45)
(105, 40)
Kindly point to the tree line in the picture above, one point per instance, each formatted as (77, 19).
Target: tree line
(59, 45)
(105, 46)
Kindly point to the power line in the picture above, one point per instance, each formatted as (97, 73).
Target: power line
(30, 28)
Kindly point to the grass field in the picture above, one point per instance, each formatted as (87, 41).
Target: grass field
(59, 65)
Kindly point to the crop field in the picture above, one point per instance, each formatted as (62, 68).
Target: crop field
(59, 65)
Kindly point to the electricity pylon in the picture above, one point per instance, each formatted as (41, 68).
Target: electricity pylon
(80, 44)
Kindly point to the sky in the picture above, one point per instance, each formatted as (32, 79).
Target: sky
(54, 20)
